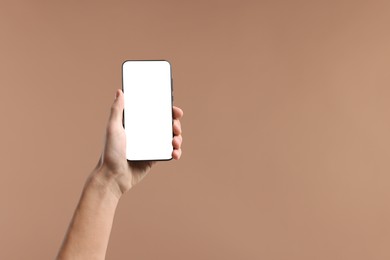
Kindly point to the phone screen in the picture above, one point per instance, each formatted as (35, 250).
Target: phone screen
(147, 88)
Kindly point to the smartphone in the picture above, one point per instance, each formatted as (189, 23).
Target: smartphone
(148, 115)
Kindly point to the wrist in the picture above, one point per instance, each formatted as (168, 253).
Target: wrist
(104, 180)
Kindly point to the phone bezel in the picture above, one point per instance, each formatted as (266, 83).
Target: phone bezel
(123, 115)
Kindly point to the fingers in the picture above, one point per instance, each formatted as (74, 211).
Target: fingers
(177, 113)
(177, 139)
(117, 108)
(176, 154)
(176, 127)
(176, 142)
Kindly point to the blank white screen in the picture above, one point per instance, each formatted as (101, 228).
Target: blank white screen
(148, 110)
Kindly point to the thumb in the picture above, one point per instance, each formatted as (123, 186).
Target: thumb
(117, 108)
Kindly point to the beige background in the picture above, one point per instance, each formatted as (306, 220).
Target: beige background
(286, 126)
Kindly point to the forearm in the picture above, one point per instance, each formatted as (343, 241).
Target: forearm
(90, 228)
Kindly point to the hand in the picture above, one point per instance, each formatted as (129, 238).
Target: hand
(113, 164)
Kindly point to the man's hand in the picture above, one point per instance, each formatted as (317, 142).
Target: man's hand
(113, 165)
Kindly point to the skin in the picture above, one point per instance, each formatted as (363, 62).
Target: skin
(88, 233)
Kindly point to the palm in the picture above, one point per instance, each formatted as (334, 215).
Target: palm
(130, 173)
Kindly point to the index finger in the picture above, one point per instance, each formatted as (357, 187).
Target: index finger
(177, 112)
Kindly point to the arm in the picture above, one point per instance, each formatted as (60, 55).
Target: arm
(88, 233)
